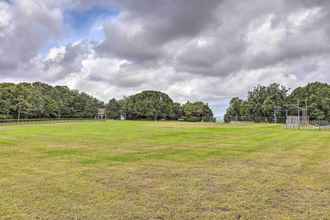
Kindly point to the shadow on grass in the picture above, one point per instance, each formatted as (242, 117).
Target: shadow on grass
(170, 154)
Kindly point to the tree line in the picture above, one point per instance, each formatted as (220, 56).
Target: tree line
(40, 100)
(267, 103)
(154, 105)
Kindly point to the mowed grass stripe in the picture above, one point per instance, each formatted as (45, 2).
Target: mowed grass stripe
(163, 170)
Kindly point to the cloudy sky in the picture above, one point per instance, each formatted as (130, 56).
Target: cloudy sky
(208, 50)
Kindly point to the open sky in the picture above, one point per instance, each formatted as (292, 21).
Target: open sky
(209, 50)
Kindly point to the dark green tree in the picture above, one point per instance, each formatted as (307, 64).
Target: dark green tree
(316, 96)
(260, 104)
(197, 111)
(113, 109)
(40, 100)
(148, 105)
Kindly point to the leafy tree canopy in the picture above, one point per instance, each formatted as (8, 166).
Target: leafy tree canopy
(262, 102)
(40, 100)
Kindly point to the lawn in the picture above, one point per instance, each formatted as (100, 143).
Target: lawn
(163, 170)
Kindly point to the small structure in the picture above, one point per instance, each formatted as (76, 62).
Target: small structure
(297, 121)
(301, 120)
(101, 114)
(321, 124)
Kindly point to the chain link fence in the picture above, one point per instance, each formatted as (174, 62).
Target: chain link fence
(271, 119)
(43, 120)
(321, 124)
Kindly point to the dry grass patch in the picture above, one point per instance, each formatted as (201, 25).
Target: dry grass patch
(163, 170)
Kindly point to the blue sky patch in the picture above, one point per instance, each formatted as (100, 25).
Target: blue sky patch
(82, 20)
(83, 25)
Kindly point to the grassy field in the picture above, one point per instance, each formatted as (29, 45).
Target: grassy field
(163, 170)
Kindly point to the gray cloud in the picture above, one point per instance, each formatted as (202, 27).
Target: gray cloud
(62, 61)
(25, 26)
(145, 27)
(231, 30)
(210, 50)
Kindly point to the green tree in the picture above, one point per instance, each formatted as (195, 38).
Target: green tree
(148, 105)
(113, 109)
(197, 111)
(260, 104)
(40, 100)
(317, 98)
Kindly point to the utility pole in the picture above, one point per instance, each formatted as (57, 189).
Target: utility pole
(306, 102)
(19, 108)
(19, 113)
(277, 109)
(298, 113)
(286, 113)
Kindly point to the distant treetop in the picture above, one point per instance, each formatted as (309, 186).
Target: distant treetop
(40, 100)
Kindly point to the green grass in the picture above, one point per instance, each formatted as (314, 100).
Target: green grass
(163, 170)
